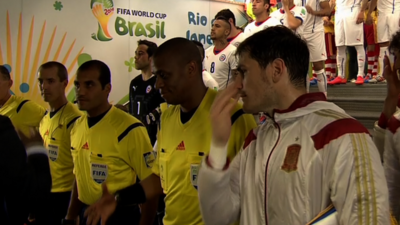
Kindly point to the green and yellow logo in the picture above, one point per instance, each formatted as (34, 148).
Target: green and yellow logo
(102, 10)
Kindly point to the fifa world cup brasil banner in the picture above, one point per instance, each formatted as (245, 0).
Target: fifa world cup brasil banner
(75, 31)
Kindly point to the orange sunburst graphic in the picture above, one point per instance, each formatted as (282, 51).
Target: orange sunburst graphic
(24, 72)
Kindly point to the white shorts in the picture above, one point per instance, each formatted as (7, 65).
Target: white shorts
(387, 26)
(316, 45)
(347, 31)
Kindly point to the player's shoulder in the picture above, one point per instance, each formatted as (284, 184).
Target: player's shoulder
(72, 113)
(239, 114)
(137, 79)
(394, 122)
(118, 117)
(331, 122)
(29, 105)
(170, 111)
(210, 49)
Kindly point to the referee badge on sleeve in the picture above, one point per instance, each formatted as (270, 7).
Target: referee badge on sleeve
(148, 159)
(194, 172)
(99, 172)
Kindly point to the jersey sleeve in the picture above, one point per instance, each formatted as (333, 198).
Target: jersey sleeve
(232, 60)
(31, 113)
(300, 13)
(157, 147)
(139, 150)
(219, 192)
(392, 164)
(353, 173)
(242, 124)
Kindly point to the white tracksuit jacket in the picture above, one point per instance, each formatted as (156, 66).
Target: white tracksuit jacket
(391, 161)
(295, 165)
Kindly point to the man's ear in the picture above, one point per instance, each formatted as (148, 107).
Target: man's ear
(65, 83)
(266, 6)
(279, 69)
(191, 68)
(108, 88)
(11, 83)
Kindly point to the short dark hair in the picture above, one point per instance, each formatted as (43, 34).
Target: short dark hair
(101, 67)
(151, 46)
(4, 71)
(225, 20)
(183, 50)
(395, 42)
(62, 72)
(226, 13)
(199, 44)
(279, 42)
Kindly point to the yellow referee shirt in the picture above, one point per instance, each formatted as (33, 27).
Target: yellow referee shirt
(181, 148)
(55, 131)
(23, 113)
(115, 150)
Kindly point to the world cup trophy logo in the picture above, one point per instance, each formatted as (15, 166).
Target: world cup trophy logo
(102, 10)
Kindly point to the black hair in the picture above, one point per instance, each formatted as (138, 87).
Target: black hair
(269, 4)
(279, 42)
(226, 13)
(395, 42)
(225, 20)
(101, 67)
(182, 50)
(62, 72)
(151, 46)
(199, 44)
(4, 71)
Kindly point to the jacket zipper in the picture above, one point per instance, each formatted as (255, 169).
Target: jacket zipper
(266, 170)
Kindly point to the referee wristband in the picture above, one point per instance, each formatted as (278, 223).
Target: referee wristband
(131, 195)
(68, 222)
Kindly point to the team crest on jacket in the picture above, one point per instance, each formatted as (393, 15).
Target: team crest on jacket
(291, 158)
(148, 89)
(99, 172)
(194, 172)
(222, 57)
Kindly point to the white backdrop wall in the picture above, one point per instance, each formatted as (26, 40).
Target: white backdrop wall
(73, 31)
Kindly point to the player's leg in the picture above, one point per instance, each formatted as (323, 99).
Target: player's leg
(328, 47)
(341, 49)
(355, 37)
(375, 69)
(383, 39)
(370, 38)
(317, 50)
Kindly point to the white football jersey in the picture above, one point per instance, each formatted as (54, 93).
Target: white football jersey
(255, 27)
(348, 4)
(235, 41)
(389, 6)
(312, 24)
(299, 12)
(209, 81)
(220, 64)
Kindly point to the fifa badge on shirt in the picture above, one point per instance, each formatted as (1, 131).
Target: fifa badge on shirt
(99, 172)
(222, 57)
(194, 172)
(148, 89)
(291, 158)
(148, 159)
(303, 12)
(53, 152)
